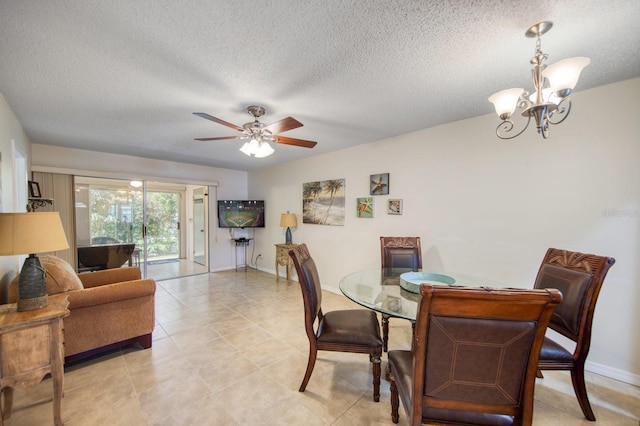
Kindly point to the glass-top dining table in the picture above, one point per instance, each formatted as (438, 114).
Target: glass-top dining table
(395, 292)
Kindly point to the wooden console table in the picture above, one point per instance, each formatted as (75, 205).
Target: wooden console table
(31, 345)
(283, 259)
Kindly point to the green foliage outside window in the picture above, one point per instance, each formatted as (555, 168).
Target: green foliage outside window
(117, 215)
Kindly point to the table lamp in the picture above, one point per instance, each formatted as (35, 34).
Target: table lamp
(289, 220)
(30, 233)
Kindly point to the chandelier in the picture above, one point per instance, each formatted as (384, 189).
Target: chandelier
(549, 103)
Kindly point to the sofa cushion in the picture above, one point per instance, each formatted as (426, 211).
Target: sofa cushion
(60, 275)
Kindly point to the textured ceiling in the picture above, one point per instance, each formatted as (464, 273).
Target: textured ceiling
(125, 76)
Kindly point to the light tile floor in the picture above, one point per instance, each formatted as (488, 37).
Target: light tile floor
(230, 349)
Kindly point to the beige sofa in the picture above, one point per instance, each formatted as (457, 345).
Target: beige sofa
(109, 308)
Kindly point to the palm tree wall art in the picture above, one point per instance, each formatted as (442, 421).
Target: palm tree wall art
(323, 202)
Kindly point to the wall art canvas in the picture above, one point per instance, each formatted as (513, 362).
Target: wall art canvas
(379, 184)
(323, 202)
(364, 207)
(394, 206)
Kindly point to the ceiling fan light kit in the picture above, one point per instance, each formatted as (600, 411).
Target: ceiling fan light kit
(257, 135)
(549, 103)
(257, 148)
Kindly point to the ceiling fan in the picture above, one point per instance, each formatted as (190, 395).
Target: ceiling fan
(258, 135)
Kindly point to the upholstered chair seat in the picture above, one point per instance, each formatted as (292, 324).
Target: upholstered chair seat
(552, 351)
(351, 327)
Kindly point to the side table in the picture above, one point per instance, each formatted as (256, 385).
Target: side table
(31, 345)
(283, 259)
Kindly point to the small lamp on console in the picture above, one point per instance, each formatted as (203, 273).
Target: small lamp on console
(289, 220)
(30, 233)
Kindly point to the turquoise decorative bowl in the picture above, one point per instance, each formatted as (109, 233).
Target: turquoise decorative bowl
(411, 281)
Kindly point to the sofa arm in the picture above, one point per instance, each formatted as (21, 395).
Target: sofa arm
(109, 276)
(111, 293)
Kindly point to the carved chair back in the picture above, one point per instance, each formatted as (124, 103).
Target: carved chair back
(458, 369)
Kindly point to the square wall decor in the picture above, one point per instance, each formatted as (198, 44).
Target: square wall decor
(394, 206)
(379, 184)
(364, 207)
(323, 202)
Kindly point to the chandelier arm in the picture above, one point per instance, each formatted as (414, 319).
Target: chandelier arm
(504, 129)
(544, 129)
(561, 113)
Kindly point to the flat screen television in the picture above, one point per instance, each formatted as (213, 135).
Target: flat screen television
(241, 213)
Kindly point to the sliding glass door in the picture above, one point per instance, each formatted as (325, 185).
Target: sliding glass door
(162, 225)
(123, 223)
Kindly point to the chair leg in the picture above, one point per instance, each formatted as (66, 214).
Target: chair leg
(377, 371)
(310, 364)
(579, 387)
(395, 401)
(413, 332)
(5, 410)
(385, 332)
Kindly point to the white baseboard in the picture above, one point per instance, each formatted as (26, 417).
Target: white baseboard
(333, 290)
(613, 373)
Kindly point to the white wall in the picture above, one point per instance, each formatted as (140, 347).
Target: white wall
(490, 207)
(230, 183)
(14, 149)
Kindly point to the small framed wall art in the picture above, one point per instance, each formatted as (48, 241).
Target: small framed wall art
(379, 184)
(394, 206)
(364, 207)
(34, 190)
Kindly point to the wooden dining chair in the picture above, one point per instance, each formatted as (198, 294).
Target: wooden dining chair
(397, 255)
(474, 358)
(579, 277)
(354, 330)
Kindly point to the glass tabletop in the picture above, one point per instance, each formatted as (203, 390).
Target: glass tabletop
(381, 289)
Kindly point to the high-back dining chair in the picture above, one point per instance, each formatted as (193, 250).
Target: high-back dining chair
(474, 357)
(355, 330)
(397, 255)
(401, 253)
(579, 277)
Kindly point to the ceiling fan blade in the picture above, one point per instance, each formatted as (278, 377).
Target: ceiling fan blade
(219, 121)
(296, 142)
(283, 125)
(221, 138)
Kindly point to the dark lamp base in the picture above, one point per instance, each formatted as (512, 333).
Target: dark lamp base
(32, 285)
(288, 236)
(32, 304)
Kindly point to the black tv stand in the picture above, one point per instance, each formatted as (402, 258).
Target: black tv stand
(241, 247)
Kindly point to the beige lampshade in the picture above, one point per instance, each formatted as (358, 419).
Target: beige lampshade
(565, 74)
(288, 220)
(31, 233)
(506, 101)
